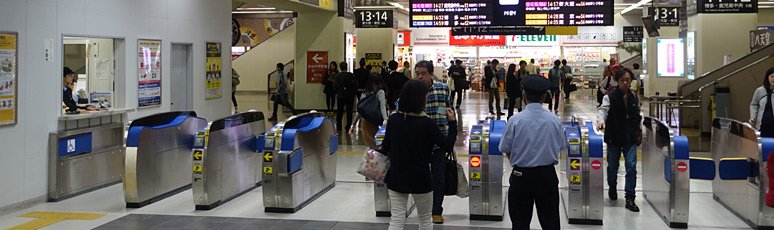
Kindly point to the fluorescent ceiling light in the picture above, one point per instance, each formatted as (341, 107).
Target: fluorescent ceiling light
(395, 4)
(632, 7)
(264, 8)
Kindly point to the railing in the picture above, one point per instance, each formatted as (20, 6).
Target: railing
(726, 71)
(667, 108)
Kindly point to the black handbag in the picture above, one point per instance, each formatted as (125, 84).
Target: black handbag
(450, 182)
(370, 109)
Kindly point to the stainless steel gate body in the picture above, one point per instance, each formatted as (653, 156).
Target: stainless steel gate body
(666, 181)
(486, 201)
(303, 162)
(740, 155)
(226, 164)
(582, 173)
(158, 156)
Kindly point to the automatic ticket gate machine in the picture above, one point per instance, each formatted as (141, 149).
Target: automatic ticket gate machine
(225, 163)
(381, 196)
(741, 155)
(158, 156)
(666, 180)
(582, 173)
(299, 162)
(486, 171)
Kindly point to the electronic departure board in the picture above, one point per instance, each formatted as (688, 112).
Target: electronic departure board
(455, 13)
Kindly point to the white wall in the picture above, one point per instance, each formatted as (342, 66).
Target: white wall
(24, 164)
(254, 66)
(766, 17)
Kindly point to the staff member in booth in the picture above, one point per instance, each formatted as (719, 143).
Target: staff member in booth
(532, 140)
(68, 84)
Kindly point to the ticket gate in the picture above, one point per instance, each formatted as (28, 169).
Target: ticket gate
(582, 174)
(299, 162)
(742, 181)
(158, 156)
(486, 171)
(381, 196)
(225, 163)
(665, 177)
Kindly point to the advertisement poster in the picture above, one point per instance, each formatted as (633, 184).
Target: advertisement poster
(213, 71)
(8, 63)
(149, 80)
(373, 59)
(671, 57)
(316, 66)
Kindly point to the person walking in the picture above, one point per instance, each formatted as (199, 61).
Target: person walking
(620, 117)
(458, 76)
(555, 76)
(346, 90)
(395, 81)
(761, 112)
(369, 125)
(406, 70)
(410, 139)
(609, 83)
(513, 86)
(281, 94)
(361, 76)
(532, 68)
(234, 83)
(567, 81)
(328, 88)
(532, 140)
(490, 80)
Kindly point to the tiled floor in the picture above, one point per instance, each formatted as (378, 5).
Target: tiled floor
(349, 205)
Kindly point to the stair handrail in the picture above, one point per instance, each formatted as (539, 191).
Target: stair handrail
(761, 54)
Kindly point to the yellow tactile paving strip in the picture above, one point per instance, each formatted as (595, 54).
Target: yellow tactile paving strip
(44, 219)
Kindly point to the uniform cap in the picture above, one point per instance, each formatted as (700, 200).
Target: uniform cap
(536, 84)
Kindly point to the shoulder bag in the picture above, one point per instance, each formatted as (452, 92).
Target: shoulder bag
(370, 109)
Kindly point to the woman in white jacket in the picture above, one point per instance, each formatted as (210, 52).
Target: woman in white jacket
(761, 112)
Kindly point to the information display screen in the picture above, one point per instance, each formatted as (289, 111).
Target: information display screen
(455, 13)
(671, 57)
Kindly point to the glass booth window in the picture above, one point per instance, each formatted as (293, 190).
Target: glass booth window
(88, 74)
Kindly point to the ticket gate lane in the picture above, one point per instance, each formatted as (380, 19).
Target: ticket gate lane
(486, 201)
(666, 175)
(225, 161)
(158, 158)
(582, 173)
(742, 181)
(303, 167)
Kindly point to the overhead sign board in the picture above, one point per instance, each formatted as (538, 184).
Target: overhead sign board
(477, 40)
(532, 40)
(374, 19)
(316, 66)
(725, 6)
(346, 8)
(632, 33)
(454, 13)
(667, 16)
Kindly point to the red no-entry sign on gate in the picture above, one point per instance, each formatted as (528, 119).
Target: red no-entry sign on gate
(596, 164)
(682, 167)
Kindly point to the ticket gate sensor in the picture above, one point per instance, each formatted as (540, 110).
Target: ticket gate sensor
(299, 162)
(381, 195)
(158, 156)
(742, 182)
(582, 173)
(486, 171)
(225, 163)
(666, 181)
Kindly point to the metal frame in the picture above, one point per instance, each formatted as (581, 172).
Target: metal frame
(583, 201)
(665, 187)
(486, 201)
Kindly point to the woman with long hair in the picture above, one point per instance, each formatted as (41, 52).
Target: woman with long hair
(328, 89)
(761, 113)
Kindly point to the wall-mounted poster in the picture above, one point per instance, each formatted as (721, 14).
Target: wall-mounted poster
(671, 57)
(149, 79)
(213, 71)
(8, 72)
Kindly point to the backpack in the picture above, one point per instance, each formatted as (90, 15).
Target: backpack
(370, 109)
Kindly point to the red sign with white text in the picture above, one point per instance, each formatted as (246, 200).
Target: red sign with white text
(316, 66)
(404, 38)
(476, 40)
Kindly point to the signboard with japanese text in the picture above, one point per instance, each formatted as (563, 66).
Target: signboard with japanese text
(373, 59)
(371, 3)
(149, 71)
(316, 66)
(8, 78)
(453, 13)
(430, 36)
(374, 19)
(213, 71)
(726, 6)
(666, 15)
(632, 33)
(760, 39)
(404, 38)
(477, 40)
(346, 8)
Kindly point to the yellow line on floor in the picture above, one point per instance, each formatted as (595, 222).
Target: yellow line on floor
(48, 218)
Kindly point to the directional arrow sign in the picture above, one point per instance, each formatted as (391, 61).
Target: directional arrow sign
(316, 66)
(575, 164)
(268, 157)
(316, 58)
(197, 156)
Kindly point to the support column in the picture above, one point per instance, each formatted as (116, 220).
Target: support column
(376, 40)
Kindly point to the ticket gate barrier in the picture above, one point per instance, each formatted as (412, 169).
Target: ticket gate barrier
(582, 173)
(299, 162)
(666, 183)
(486, 171)
(158, 156)
(225, 162)
(741, 155)
(381, 195)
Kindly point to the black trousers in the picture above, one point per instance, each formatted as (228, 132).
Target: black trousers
(348, 103)
(458, 95)
(330, 101)
(536, 186)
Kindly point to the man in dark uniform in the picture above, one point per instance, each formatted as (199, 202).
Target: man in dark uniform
(532, 141)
